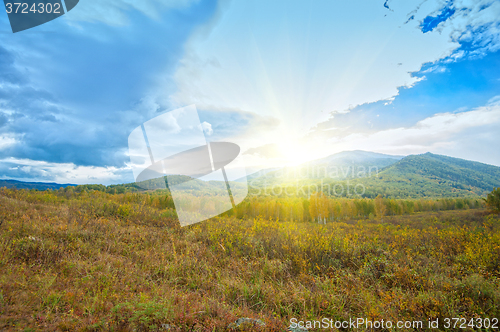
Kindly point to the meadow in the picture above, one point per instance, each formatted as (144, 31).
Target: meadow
(95, 261)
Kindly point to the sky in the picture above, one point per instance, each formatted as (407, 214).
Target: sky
(288, 81)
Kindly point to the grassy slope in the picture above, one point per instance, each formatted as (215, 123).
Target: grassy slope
(64, 267)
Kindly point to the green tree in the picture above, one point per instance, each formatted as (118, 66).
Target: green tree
(380, 207)
(493, 200)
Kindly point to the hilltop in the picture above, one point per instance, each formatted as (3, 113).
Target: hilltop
(414, 176)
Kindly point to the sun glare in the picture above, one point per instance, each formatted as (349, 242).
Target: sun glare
(294, 152)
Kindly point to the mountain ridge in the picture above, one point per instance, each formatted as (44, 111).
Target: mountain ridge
(412, 176)
(33, 185)
(422, 175)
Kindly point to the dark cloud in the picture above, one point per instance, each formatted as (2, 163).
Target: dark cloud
(8, 73)
(35, 117)
(67, 140)
(3, 120)
(47, 131)
(74, 95)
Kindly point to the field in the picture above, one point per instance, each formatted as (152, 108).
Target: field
(93, 261)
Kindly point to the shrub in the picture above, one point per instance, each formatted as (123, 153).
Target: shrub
(493, 200)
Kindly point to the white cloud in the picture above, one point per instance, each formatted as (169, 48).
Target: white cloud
(115, 12)
(32, 170)
(476, 22)
(207, 128)
(462, 134)
(7, 140)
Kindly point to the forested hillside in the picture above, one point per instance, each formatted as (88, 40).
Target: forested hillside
(415, 176)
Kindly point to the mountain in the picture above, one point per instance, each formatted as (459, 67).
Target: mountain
(357, 157)
(414, 176)
(255, 175)
(441, 174)
(32, 185)
(346, 174)
(338, 166)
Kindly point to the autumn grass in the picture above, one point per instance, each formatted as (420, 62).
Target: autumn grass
(92, 265)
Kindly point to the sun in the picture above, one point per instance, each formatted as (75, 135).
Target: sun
(294, 152)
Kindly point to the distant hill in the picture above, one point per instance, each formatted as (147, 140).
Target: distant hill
(426, 175)
(440, 176)
(32, 185)
(255, 175)
(358, 157)
(339, 166)
(371, 174)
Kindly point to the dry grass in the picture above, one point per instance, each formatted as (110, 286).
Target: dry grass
(89, 264)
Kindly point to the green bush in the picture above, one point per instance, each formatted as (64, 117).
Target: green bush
(493, 200)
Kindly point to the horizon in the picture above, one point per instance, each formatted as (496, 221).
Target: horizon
(288, 82)
(284, 167)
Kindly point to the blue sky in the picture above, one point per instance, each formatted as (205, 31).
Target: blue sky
(302, 79)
